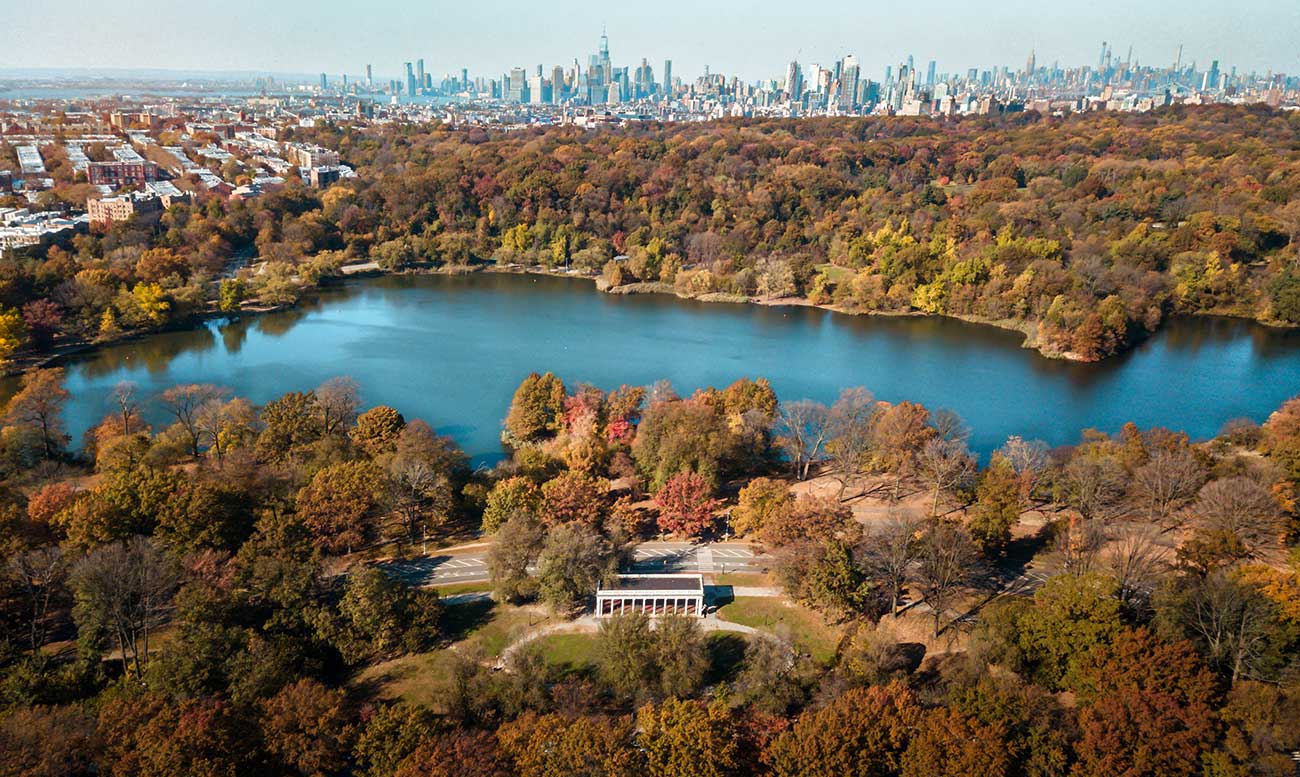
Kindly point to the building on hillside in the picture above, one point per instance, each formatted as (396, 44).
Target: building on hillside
(653, 595)
(119, 174)
(111, 210)
(307, 157)
(321, 177)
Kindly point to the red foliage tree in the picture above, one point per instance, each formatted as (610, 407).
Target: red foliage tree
(864, 732)
(686, 504)
(1151, 707)
(43, 319)
(456, 754)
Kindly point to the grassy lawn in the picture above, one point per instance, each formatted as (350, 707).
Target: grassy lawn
(490, 626)
(422, 678)
(572, 651)
(809, 632)
(743, 580)
(476, 628)
(451, 589)
(835, 273)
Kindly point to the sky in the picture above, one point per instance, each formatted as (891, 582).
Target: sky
(750, 38)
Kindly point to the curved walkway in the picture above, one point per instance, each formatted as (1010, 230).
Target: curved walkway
(589, 623)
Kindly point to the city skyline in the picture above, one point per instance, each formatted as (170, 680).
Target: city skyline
(1254, 36)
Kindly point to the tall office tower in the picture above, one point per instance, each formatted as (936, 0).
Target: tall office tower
(324, 82)
(537, 91)
(1030, 64)
(518, 85)
(410, 80)
(464, 78)
(889, 73)
(793, 81)
(667, 89)
(370, 77)
(604, 52)
(419, 72)
(848, 93)
(345, 82)
(558, 87)
(929, 73)
(643, 79)
(1101, 59)
(1211, 80)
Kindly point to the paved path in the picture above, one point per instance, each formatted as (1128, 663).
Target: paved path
(470, 565)
(589, 624)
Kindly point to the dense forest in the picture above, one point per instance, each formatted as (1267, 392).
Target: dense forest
(216, 594)
(1083, 232)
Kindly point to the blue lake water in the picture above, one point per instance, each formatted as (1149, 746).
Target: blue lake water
(451, 350)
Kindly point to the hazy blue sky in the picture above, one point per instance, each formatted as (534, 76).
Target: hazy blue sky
(753, 38)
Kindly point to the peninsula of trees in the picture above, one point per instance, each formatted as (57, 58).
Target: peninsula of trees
(233, 589)
(1083, 232)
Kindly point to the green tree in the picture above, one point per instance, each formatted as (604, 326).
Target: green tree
(390, 735)
(518, 544)
(377, 430)
(508, 497)
(290, 423)
(231, 295)
(997, 506)
(379, 616)
(13, 333)
(537, 409)
(574, 560)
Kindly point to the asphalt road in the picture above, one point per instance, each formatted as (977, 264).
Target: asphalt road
(649, 557)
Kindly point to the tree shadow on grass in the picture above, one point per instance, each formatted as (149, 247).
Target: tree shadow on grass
(726, 653)
(460, 620)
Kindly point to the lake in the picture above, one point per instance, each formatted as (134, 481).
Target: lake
(451, 350)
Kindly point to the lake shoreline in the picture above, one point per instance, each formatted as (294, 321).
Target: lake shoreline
(26, 362)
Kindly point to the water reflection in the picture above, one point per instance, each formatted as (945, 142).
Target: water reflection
(451, 350)
(154, 352)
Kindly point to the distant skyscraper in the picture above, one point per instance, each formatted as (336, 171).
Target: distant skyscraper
(558, 91)
(419, 72)
(668, 78)
(848, 93)
(324, 82)
(929, 73)
(410, 80)
(604, 52)
(793, 81)
(370, 77)
(518, 89)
